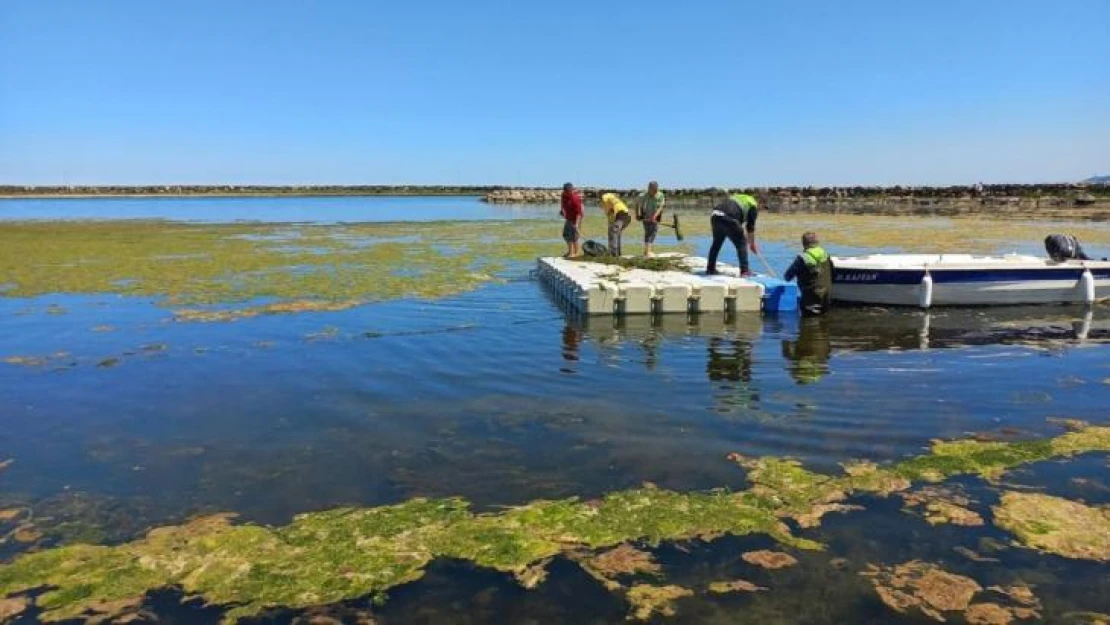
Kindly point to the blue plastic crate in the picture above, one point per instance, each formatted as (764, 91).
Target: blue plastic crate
(778, 295)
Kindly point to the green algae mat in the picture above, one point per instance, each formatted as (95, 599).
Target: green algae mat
(327, 557)
(70, 568)
(189, 264)
(249, 269)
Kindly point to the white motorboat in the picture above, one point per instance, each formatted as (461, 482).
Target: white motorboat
(927, 280)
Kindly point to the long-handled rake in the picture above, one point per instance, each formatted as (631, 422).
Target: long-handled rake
(770, 269)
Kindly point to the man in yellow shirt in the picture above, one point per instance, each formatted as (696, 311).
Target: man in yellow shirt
(619, 218)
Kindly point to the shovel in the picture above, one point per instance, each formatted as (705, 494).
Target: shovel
(674, 226)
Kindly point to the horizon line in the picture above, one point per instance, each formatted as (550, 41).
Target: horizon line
(519, 186)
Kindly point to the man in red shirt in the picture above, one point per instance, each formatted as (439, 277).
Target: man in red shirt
(572, 213)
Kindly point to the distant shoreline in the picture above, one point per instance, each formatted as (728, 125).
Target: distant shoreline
(514, 194)
(1064, 201)
(139, 196)
(1059, 201)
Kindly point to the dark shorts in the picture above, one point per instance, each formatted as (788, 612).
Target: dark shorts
(570, 231)
(651, 228)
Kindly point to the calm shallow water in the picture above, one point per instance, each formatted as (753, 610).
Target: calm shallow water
(502, 397)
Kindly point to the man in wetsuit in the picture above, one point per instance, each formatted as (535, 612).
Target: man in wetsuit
(813, 270)
(733, 219)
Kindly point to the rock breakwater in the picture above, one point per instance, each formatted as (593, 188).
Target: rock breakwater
(1003, 201)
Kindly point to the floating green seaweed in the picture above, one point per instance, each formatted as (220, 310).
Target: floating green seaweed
(736, 585)
(648, 600)
(924, 587)
(192, 264)
(294, 306)
(1055, 525)
(768, 559)
(326, 557)
(299, 267)
(622, 560)
(939, 505)
(654, 263)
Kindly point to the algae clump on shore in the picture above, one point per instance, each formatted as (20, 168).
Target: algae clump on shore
(331, 556)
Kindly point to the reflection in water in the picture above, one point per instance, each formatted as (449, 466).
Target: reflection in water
(572, 338)
(729, 366)
(729, 348)
(729, 359)
(649, 345)
(880, 329)
(1083, 328)
(808, 355)
(808, 344)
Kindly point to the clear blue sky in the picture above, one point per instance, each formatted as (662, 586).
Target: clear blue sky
(606, 92)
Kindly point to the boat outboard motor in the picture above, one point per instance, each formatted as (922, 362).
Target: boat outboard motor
(1061, 247)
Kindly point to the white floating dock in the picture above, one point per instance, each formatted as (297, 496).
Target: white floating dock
(600, 289)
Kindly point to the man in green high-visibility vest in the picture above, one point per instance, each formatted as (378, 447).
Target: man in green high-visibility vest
(813, 270)
(734, 219)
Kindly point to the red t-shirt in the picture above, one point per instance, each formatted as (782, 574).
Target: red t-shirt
(571, 206)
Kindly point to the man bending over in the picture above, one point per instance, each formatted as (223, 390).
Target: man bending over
(733, 219)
